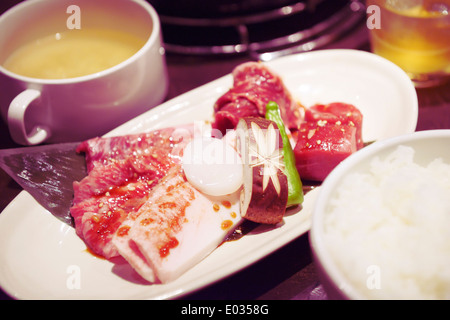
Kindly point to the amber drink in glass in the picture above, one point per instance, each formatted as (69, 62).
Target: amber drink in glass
(415, 35)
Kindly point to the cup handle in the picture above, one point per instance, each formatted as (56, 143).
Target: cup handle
(16, 119)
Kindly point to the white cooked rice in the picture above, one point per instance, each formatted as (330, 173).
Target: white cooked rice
(389, 230)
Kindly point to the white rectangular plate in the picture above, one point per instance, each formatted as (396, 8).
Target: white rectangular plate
(43, 258)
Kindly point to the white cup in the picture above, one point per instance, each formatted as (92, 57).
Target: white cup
(73, 109)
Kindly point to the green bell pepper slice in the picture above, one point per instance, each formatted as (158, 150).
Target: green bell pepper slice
(295, 187)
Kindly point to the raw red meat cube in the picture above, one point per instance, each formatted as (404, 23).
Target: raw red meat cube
(322, 146)
(337, 113)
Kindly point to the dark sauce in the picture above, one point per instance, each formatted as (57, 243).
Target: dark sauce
(310, 186)
(244, 228)
(247, 226)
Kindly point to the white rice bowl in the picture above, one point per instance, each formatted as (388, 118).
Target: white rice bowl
(381, 225)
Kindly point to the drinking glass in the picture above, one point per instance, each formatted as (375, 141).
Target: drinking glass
(415, 35)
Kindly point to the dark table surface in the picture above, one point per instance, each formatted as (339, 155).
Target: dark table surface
(288, 273)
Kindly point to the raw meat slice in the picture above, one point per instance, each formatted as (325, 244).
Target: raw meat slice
(104, 199)
(337, 113)
(122, 172)
(129, 250)
(176, 228)
(331, 132)
(101, 151)
(320, 148)
(254, 85)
